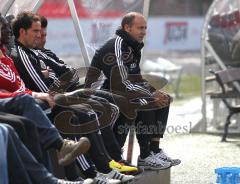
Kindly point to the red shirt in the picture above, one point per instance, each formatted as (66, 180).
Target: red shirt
(10, 79)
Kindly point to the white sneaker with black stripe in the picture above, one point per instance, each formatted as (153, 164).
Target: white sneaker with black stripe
(153, 163)
(87, 181)
(103, 179)
(114, 174)
(163, 156)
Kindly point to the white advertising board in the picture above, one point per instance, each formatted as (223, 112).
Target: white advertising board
(163, 34)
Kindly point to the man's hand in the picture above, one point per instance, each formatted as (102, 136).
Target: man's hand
(45, 97)
(162, 98)
(46, 72)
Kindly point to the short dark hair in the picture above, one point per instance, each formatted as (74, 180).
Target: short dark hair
(128, 18)
(44, 21)
(24, 20)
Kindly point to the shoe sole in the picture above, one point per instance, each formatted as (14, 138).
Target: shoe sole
(155, 168)
(138, 172)
(126, 172)
(176, 163)
(82, 147)
(133, 173)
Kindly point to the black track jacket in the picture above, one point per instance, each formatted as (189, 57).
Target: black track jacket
(30, 63)
(118, 59)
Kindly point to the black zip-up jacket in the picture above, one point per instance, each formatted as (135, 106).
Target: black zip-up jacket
(119, 60)
(66, 73)
(31, 62)
(29, 67)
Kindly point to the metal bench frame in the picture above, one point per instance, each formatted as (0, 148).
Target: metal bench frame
(227, 80)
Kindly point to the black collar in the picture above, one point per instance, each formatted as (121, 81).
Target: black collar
(20, 44)
(26, 49)
(127, 38)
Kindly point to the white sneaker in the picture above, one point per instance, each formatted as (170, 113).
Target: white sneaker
(102, 179)
(87, 181)
(163, 156)
(114, 174)
(153, 163)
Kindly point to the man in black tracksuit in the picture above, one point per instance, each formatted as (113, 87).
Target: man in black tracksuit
(119, 60)
(39, 75)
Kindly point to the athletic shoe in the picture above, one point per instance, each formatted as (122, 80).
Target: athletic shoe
(71, 149)
(87, 181)
(122, 168)
(134, 173)
(114, 174)
(102, 179)
(163, 156)
(153, 163)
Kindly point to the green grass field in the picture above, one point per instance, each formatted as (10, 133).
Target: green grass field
(190, 87)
